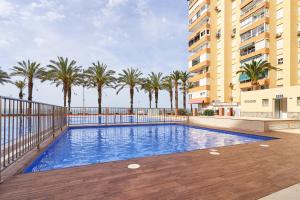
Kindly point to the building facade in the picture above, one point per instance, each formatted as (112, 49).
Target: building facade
(225, 34)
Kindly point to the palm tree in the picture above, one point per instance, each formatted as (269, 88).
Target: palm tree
(156, 83)
(255, 71)
(98, 76)
(184, 77)
(168, 86)
(20, 85)
(30, 71)
(132, 78)
(176, 76)
(58, 73)
(74, 78)
(4, 78)
(147, 87)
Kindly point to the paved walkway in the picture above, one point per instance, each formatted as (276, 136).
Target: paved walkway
(290, 193)
(294, 131)
(248, 172)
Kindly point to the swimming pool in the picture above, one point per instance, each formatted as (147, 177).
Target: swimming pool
(88, 145)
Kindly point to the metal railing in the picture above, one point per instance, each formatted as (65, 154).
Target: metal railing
(109, 116)
(24, 125)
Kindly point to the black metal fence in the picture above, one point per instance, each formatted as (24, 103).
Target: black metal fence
(24, 125)
(109, 116)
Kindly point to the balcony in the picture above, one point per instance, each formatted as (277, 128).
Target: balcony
(193, 26)
(199, 88)
(199, 66)
(255, 5)
(204, 100)
(254, 53)
(199, 76)
(199, 53)
(264, 20)
(198, 7)
(201, 28)
(198, 42)
(248, 85)
(261, 36)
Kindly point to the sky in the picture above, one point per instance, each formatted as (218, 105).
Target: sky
(147, 34)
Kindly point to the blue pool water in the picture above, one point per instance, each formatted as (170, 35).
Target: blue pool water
(82, 146)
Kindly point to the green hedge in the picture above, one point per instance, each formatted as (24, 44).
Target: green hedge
(209, 112)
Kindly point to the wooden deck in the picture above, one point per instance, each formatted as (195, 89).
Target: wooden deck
(246, 171)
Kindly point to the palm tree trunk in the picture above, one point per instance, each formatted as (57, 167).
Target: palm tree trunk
(65, 90)
(30, 88)
(131, 99)
(21, 94)
(171, 99)
(184, 96)
(156, 98)
(255, 85)
(99, 100)
(150, 99)
(69, 97)
(176, 97)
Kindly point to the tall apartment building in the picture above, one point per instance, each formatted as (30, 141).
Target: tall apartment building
(225, 34)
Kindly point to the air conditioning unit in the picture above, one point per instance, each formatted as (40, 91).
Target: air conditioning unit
(278, 35)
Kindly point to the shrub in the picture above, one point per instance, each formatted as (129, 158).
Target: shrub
(209, 112)
(182, 112)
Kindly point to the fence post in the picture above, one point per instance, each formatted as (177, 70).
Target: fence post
(164, 115)
(1, 140)
(38, 128)
(53, 122)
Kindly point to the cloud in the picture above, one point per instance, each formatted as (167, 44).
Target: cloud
(50, 16)
(142, 8)
(39, 41)
(121, 33)
(6, 9)
(115, 3)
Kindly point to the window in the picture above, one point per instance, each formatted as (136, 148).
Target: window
(265, 102)
(298, 101)
(279, 13)
(279, 28)
(254, 32)
(279, 44)
(280, 61)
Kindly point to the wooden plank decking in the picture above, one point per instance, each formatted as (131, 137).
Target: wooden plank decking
(242, 172)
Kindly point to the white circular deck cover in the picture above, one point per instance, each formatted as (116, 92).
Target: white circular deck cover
(134, 166)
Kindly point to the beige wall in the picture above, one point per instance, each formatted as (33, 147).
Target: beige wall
(252, 101)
